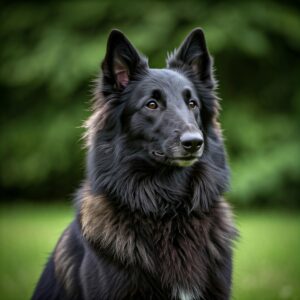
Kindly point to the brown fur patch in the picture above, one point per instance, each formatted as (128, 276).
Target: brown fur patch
(101, 224)
(180, 250)
(63, 261)
(217, 127)
(222, 230)
(215, 122)
(97, 119)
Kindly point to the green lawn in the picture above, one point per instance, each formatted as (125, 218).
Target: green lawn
(267, 259)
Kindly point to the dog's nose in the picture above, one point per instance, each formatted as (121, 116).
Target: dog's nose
(191, 141)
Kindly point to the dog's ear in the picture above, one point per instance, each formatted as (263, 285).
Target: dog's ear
(194, 54)
(122, 61)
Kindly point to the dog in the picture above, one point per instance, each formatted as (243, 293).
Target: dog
(151, 222)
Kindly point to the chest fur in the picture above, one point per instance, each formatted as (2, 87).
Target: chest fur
(180, 250)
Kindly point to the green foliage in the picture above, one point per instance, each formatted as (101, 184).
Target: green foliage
(50, 54)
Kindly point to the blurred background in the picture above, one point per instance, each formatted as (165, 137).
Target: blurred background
(50, 55)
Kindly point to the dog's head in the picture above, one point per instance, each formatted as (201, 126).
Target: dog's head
(164, 114)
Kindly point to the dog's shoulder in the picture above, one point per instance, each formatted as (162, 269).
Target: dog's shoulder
(59, 279)
(67, 258)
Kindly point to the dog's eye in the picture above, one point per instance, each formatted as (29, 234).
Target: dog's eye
(152, 105)
(193, 104)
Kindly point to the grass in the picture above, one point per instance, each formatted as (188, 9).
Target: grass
(267, 260)
(266, 264)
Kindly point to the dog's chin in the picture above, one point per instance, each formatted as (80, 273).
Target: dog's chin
(184, 162)
(174, 161)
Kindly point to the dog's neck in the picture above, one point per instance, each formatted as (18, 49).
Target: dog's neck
(158, 190)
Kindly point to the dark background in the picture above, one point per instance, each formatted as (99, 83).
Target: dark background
(50, 54)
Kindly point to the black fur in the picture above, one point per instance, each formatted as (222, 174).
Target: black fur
(151, 222)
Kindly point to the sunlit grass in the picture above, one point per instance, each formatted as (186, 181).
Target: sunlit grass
(28, 234)
(267, 260)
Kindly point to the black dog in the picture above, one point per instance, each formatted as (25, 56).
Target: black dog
(151, 222)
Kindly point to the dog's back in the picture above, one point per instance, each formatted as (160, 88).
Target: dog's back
(151, 222)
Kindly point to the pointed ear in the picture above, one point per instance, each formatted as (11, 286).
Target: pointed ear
(122, 61)
(194, 54)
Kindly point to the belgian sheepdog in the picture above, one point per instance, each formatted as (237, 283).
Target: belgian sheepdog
(151, 222)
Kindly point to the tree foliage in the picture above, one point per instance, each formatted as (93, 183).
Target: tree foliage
(51, 53)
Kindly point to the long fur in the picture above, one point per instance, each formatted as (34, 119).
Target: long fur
(145, 230)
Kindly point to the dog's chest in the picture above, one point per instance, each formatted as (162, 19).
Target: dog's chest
(178, 252)
(183, 295)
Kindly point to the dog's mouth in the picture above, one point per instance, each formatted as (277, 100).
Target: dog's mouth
(158, 154)
(184, 161)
